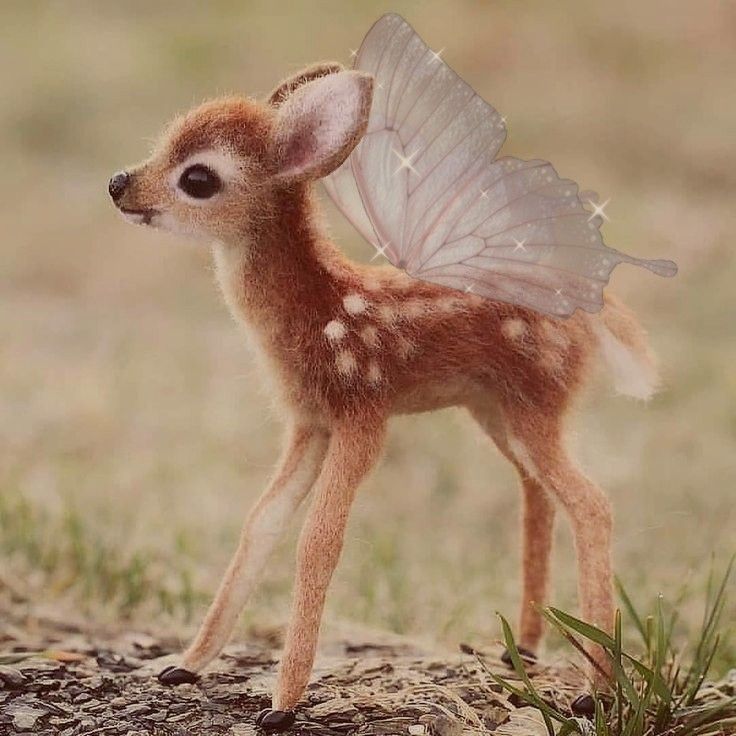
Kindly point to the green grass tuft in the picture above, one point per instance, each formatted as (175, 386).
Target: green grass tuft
(652, 691)
(92, 563)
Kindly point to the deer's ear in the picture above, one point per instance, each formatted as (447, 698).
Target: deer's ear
(320, 123)
(315, 71)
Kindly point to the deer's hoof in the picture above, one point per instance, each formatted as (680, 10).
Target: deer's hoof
(172, 675)
(527, 657)
(583, 705)
(274, 721)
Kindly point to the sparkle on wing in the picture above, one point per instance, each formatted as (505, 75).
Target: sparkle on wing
(380, 251)
(598, 210)
(405, 161)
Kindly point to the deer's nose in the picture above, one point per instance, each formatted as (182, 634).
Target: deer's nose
(118, 184)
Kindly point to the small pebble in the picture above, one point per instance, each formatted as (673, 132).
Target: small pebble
(177, 708)
(494, 716)
(24, 719)
(335, 708)
(137, 709)
(583, 705)
(11, 678)
(517, 701)
(443, 725)
(242, 729)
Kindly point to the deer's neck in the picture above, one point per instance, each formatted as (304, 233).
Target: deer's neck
(281, 277)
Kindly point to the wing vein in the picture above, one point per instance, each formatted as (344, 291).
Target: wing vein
(382, 55)
(428, 119)
(438, 218)
(447, 206)
(535, 264)
(511, 201)
(489, 186)
(519, 224)
(430, 79)
(535, 284)
(443, 130)
(365, 204)
(393, 76)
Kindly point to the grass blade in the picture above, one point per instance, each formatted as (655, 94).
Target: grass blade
(574, 642)
(521, 671)
(593, 633)
(631, 611)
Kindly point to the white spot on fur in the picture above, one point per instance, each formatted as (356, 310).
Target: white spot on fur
(335, 330)
(448, 304)
(552, 361)
(373, 373)
(369, 335)
(513, 328)
(633, 375)
(345, 362)
(355, 304)
(414, 309)
(388, 313)
(404, 347)
(555, 334)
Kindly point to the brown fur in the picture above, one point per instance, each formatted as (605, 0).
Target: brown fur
(347, 346)
(305, 75)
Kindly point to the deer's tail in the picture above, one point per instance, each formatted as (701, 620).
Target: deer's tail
(625, 350)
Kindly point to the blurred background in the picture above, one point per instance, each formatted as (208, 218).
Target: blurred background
(134, 432)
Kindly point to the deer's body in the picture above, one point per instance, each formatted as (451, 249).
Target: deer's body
(368, 337)
(346, 346)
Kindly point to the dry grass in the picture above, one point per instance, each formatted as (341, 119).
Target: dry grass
(133, 432)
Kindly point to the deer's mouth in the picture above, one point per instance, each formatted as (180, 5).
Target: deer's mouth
(139, 217)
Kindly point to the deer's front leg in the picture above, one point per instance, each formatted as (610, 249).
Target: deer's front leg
(351, 453)
(298, 468)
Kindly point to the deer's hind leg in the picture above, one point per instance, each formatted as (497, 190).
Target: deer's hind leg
(538, 515)
(535, 439)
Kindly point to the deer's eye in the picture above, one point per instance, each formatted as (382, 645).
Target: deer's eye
(200, 182)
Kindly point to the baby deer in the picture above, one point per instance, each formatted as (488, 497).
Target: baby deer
(349, 345)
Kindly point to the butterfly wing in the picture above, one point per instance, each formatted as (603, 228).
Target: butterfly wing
(425, 188)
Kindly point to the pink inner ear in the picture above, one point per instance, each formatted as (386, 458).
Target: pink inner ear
(302, 147)
(321, 122)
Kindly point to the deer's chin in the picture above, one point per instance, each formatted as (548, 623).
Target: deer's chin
(168, 222)
(139, 216)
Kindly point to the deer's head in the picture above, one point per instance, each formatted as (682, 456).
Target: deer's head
(217, 168)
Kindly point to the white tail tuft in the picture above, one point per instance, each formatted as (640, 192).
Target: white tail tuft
(624, 350)
(632, 376)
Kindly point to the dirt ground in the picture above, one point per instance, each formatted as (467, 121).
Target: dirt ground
(85, 680)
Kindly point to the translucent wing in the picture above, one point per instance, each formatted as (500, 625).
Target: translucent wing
(425, 188)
